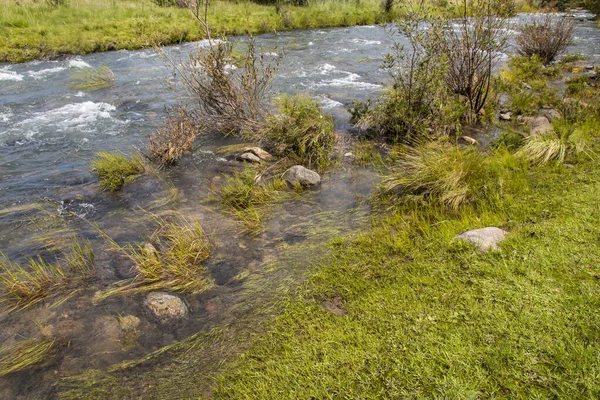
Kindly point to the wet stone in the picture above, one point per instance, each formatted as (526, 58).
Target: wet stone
(248, 157)
(258, 152)
(69, 329)
(303, 176)
(165, 306)
(485, 238)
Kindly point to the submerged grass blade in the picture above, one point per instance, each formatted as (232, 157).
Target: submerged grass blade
(170, 260)
(24, 355)
(89, 78)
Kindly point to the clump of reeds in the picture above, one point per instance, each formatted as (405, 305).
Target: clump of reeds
(246, 198)
(566, 139)
(24, 355)
(171, 259)
(173, 138)
(89, 78)
(301, 132)
(115, 169)
(22, 287)
(440, 171)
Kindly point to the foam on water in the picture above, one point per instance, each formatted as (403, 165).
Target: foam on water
(327, 103)
(80, 117)
(45, 72)
(8, 75)
(5, 114)
(350, 80)
(78, 63)
(365, 42)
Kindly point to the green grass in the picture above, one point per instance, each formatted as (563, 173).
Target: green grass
(171, 259)
(115, 169)
(24, 355)
(30, 30)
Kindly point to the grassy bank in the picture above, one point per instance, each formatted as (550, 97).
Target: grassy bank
(30, 30)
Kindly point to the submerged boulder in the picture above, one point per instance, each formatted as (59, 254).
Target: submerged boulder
(485, 238)
(539, 125)
(303, 176)
(165, 306)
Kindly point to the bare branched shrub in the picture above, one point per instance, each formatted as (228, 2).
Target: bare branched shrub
(228, 91)
(173, 138)
(547, 37)
(473, 47)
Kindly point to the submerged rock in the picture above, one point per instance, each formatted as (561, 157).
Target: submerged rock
(485, 238)
(130, 322)
(258, 152)
(303, 176)
(539, 125)
(249, 157)
(165, 306)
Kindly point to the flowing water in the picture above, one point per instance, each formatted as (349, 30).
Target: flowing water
(50, 132)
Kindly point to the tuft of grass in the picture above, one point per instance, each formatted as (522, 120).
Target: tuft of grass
(568, 139)
(89, 78)
(446, 173)
(171, 259)
(115, 169)
(301, 132)
(22, 287)
(247, 199)
(24, 355)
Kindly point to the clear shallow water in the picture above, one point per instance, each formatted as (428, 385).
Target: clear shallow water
(49, 133)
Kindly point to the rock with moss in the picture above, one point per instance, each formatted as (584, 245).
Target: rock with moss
(299, 175)
(485, 239)
(258, 152)
(165, 306)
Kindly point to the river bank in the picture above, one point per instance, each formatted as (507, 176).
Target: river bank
(32, 30)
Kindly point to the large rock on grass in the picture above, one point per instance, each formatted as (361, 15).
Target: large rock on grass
(165, 306)
(249, 157)
(303, 176)
(539, 125)
(485, 238)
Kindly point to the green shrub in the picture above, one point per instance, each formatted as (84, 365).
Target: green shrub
(301, 132)
(509, 140)
(114, 169)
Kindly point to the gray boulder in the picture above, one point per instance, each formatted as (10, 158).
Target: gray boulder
(303, 176)
(165, 306)
(506, 116)
(485, 238)
(539, 125)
